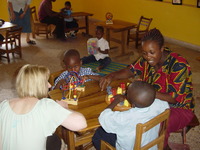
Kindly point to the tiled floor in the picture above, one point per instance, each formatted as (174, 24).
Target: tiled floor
(49, 52)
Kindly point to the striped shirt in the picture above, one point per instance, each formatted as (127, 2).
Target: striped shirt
(82, 72)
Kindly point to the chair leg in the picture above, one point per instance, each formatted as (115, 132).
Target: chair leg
(136, 43)
(128, 36)
(8, 58)
(184, 135)
(47, 32)
(33, 33)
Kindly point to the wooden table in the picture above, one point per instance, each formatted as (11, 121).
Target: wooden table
(7, 25)
(90, 104)
(86, 15)
(118, 26)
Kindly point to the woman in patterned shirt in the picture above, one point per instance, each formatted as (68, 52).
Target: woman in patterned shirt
(168, 72)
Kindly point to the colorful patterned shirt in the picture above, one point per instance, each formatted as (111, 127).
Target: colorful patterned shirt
(82, 72)
(174, 78)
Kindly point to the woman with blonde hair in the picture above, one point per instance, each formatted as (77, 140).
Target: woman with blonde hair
(25, 122)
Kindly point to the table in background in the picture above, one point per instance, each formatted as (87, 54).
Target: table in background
(117, 26)
(7, 25)
(83, 14)
(90, 104)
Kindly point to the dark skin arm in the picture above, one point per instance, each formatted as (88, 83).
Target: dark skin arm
(166, 97)
(61, 82)
(93, 77)
(103, 52)
(121, 74)
(117, 99)
(50, 12)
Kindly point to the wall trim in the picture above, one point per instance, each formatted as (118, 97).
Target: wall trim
(182, 43)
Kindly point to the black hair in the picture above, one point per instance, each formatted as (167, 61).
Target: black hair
(68, 3)
(154, 35)
(100, 28)
(138, 88)
(72, 52)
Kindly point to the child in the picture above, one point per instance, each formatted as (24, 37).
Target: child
(73, 63)
(102, 56)
(119, 128)
(69, 21)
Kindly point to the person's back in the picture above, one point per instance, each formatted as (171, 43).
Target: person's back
(29, 130)
(25, 122)
(141, 96)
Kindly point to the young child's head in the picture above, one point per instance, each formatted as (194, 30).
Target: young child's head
(72, 60)
(99, 32)
(68, 5)
(140, 94)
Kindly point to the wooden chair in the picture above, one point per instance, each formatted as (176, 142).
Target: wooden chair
(139, 31)
(141, 128)
(11, 44)
(38, 27)
(83, 138)
(53, 76)
(194, 122)
(179, 146)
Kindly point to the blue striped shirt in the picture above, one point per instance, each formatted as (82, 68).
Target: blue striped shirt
(82, 72)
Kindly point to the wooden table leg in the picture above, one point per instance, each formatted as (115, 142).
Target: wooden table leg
(108, 35)
(123, 42)
(87, 25)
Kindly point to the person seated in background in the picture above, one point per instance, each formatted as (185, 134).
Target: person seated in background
(119, 128)
(102, 55)
(168, 72)
(26, 121)
(73, 62)
(48, 16)
(70, 22)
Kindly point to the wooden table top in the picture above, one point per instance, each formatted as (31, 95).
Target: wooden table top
(117, 26)
(91, 102)
(7, 25)
(79, 14)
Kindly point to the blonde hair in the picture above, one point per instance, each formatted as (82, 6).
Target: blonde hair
(32, 81)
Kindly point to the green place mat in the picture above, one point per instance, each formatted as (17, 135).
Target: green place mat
(113, 66)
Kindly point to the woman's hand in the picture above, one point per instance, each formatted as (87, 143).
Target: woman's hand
(105, 81)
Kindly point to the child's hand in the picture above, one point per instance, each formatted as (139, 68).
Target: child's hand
(62, 103)
(85, 77)
(61, 82)
(99, 50)
(119, 98)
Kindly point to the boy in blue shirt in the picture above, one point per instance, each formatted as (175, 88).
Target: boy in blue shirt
(119, 128)
(73, 63)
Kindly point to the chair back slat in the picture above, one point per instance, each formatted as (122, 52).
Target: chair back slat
(144, 23)
(34, 14)
(161, 119)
